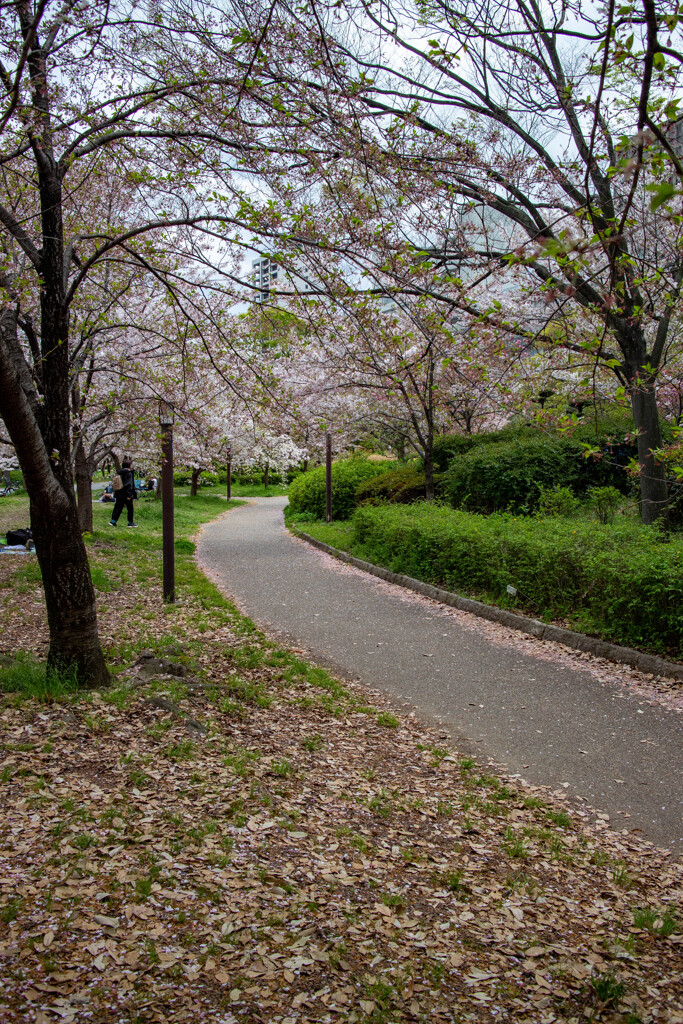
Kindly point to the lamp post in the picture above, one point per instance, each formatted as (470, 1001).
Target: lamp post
(328, 477)
(229, 467)
(167, 529)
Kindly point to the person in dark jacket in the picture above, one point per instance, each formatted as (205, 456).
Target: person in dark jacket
(126, 495)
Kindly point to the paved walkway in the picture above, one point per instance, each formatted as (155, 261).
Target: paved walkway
(548, 720)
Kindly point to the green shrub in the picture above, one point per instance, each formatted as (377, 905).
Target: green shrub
(451, 446)
(307, 491)
(183, 478)
(605, 502)
(403, 485)
(618, 581)
(558, 501)
(613, 434)
(247, 479)
(512, 475)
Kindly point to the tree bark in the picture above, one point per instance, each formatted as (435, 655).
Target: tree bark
(69, 593)
(266, 475)
(654, 493)
(194, 483)
(430, 491)
(84, 495)
(83, 489)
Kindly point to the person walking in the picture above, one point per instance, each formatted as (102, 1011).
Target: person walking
(125, 495)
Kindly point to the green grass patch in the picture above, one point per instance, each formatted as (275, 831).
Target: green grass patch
(336, 534)
(659, 922)
(28, 678)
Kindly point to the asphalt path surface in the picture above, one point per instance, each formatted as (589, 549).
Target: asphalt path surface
(552, 723)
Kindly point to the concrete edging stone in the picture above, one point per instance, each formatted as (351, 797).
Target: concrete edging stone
(541, 630)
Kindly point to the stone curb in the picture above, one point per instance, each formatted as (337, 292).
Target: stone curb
(541, 630)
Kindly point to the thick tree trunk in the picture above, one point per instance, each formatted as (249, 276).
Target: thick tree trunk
(266, 476)
(41, 430)
(194, 483)
(84, 490)
(69, 593)
(653, 487)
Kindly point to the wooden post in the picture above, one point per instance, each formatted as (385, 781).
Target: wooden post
(328, 477)
(167, 525)
(229, 468)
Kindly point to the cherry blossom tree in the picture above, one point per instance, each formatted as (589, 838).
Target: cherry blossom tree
(559, 133)
(104, 98)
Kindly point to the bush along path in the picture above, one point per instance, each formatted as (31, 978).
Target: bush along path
(230, 834)
(621, 582)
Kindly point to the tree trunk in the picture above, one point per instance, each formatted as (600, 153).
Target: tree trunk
(41, 429)
(69, 593)
(654, 494)
(266, 473)
(430, 492)
(194, 483)
(84, 490)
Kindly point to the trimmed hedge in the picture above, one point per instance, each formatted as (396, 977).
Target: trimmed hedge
(511, 475)
(307, 491)
(618, 581)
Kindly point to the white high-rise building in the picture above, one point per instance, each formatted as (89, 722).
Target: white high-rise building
(264, 276)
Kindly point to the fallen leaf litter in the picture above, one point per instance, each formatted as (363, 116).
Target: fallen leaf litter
(299, 861)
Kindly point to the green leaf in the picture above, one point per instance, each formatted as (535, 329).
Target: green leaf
(662, 194)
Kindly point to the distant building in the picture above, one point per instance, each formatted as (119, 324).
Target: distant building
(674, 134)
(269, 278)
(264, 276)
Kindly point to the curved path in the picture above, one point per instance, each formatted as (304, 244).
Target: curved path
(542, 716)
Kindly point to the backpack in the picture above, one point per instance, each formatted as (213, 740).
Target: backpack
(117, 482)
(18, 537)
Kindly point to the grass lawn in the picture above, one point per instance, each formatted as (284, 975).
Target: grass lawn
(13, 513)
(254, 841)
